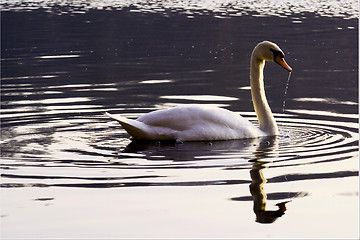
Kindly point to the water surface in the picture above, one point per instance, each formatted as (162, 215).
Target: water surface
(68, 171)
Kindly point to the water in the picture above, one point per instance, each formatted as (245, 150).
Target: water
(68, 171)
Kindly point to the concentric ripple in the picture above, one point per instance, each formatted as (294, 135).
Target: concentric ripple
(312, 139)
(302, 142)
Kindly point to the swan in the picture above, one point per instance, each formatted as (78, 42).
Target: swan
(200, 123)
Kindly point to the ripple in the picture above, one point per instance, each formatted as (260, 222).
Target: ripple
(50, 101)
(324, 100)
(200, 97)
(156, 81)
(58, 56)
(97, 143)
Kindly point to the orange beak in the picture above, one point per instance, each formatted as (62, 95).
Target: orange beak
(281, 61)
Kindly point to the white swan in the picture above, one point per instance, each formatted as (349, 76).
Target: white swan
(198, 123)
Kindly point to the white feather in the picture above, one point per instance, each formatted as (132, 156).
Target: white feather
(190, 123)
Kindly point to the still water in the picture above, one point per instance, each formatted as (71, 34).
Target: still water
(69, 171)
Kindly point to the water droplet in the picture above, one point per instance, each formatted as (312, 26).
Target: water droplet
(285, 92)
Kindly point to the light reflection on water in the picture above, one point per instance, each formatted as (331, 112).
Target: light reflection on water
(62, 157)
(200, 97)
(220, 8)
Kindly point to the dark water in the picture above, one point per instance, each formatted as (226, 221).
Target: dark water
(68, 171)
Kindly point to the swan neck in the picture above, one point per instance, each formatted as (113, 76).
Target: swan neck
(263, 112)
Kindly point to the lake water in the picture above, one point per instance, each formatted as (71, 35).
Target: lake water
(68, 171)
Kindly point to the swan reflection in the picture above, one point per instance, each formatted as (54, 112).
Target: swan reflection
(259, 196)
(192, 151)
(256, 153)
(257, 185)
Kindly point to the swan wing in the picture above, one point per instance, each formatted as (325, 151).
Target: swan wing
(190, 123)
(195, 123)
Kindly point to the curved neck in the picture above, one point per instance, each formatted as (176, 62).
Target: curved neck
(261, 106)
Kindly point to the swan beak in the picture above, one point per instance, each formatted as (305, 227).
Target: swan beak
(281, 61)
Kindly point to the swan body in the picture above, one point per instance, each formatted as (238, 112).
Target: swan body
(199, 123)
(189, 123)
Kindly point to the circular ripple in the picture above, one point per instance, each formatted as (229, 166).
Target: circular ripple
(316, 140)
(92, 146)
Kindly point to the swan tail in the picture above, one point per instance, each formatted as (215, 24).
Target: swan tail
(136, 129)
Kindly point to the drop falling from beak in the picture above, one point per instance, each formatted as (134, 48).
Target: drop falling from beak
(286, 90)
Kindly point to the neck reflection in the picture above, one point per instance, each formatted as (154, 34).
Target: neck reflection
(257, 185)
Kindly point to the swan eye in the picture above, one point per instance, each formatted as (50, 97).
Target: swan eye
(277, 53)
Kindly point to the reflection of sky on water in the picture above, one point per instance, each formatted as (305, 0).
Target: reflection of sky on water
(221, 8)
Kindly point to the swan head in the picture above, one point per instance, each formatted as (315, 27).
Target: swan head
(269, 51)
